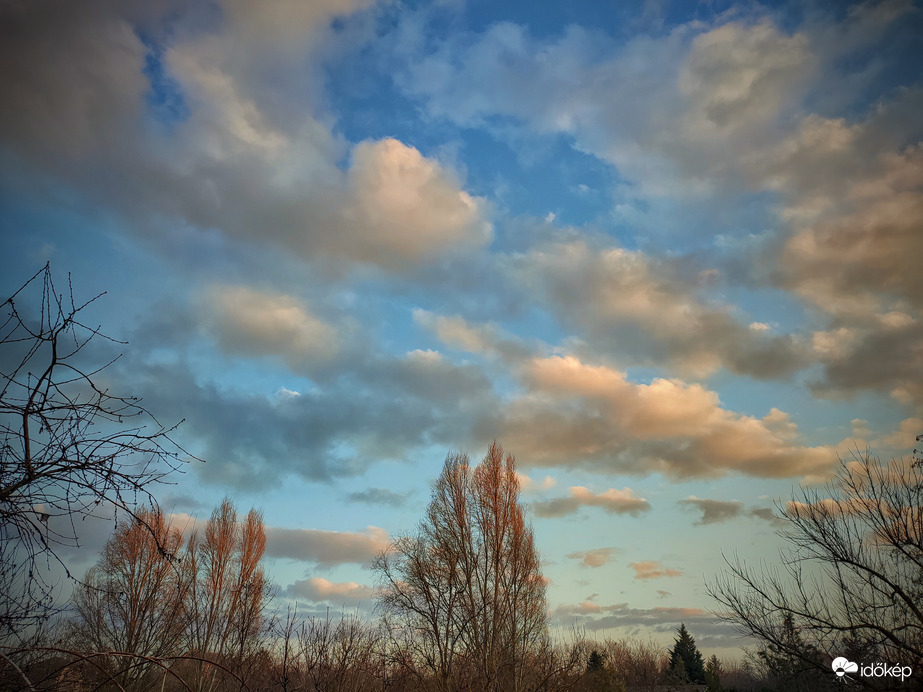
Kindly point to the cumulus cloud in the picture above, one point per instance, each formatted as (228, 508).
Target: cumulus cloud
(727, 107)
(644, 308)
(406, 207)
(651, 569)
(319, 589)
(528, 484)
(585, 415)
(325, 547)
(593, 558)
(456, 332)
(879, 354)
(249, 322)
(245, 155)
(613, 501)
(714, 511)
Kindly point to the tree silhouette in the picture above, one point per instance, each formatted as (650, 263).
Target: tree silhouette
(130, 602)
(853, 577)
(468, 585)
(686, 664)
(225, 592)
(68, 446)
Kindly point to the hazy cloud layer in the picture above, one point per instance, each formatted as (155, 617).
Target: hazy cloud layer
(628, 621)
(379, 496)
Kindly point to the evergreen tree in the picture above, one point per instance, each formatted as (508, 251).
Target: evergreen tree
(713, 674)
(599, 677)
(595, 662)
(791, 663)
(686, 662)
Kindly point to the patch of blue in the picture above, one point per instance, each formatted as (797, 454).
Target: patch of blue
(165, 97)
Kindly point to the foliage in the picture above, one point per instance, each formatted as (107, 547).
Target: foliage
(790, 663)
(599, 677)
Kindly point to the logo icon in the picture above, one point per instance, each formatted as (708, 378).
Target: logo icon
(841, 666)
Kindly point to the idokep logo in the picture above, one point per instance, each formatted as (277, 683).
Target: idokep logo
(841, 666)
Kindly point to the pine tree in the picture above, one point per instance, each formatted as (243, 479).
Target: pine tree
(713, 674)
(791, 663)
(595, 662)
(599, 677)
(686, 662)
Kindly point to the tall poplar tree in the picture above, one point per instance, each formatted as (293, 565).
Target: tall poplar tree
(468, 585)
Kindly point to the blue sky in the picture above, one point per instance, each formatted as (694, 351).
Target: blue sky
(667, 253)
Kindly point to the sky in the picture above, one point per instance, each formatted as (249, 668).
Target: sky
(666, 253)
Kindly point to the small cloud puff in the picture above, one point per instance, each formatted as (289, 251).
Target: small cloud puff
(593, 558)
(651, 569)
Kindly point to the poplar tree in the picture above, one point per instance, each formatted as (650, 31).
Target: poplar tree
(468, 585)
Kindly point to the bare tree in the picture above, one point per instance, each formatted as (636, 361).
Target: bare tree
(68, 446)
(130, 602)
(468, 586)
(339, 654)
(226, 591)
(853, 578)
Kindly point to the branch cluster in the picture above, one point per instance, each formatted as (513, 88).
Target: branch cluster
(69, 447)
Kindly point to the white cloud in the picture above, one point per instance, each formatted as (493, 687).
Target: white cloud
(255, 323)
(529, 485)
(325, 547)
(320, 589)
(574, 414)
(403, 207)
(613, 501)
(456, 332)
(644, 308)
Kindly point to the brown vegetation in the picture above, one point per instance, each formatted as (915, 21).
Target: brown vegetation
(466, 592)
